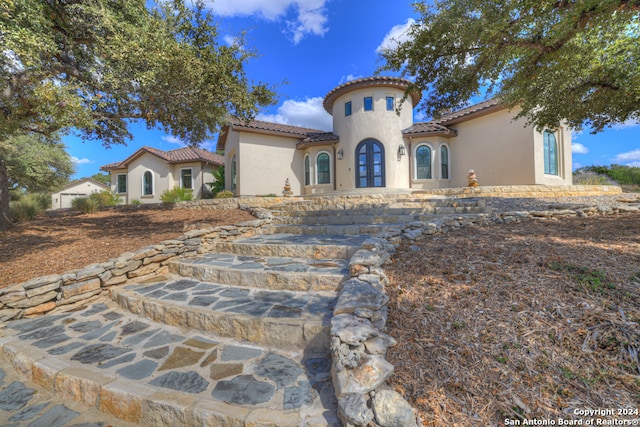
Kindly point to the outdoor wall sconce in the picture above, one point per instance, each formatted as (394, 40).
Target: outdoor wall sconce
(340, 154)
(401, 151)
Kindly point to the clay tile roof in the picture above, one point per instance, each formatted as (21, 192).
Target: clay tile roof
(313, 139)
(429, 128)
(383, 81)
(482, 107)
(180, 155)
(270, 127)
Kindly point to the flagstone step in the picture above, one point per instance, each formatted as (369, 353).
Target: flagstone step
(276, 319)
(150, 373)
(354, 219)
(292, 245)
(275, 273)
(349, 229)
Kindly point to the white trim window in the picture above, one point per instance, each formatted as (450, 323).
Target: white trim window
(234, 172)
(550, 153)
(121, 183)
(186, 178)
(307, 170)
(444, 161)
(147, 183)
(423, 161)
(323, 168)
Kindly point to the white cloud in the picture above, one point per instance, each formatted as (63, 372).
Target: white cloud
(395, 36)
(173, 140)
(348, 78)
(311, 15)
(78, 161)
(308, 113)
(576, 165)
(630, 158)
(626, 124)
(577, 148)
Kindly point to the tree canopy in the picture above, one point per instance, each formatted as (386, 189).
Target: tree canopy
(577, 60)
(94, 65)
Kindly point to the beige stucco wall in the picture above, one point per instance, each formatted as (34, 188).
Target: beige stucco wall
(162, 178)
(63, 198)
(314, 187)
(380, 124)
(436, 180)
(265, 162)
(502, 151)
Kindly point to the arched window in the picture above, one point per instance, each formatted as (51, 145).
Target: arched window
(323, 169)
(550, 153)
(147, 183)
(423, 162)
(370, 164)
(234, 172)
(307, 171)
(444, 162)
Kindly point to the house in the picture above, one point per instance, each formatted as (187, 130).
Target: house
(149, 172)
(376, 144)
(80, 188)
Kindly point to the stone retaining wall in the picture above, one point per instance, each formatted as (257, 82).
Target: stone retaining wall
(44, 294)
(358, 340)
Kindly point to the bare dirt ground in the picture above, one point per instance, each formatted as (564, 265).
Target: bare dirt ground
(525, 321)
(63, 241)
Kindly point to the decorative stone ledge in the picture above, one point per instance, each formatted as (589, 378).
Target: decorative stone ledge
(358, 340)
(44, 294)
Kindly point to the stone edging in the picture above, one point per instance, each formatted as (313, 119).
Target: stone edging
(45, 294)
(358, 340)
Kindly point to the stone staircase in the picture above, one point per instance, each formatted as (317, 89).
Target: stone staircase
(236, 337)
(358, 215)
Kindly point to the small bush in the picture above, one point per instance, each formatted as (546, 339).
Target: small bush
(217, 186)
(585, 177)
(224, 195)
(105, 198)
(29, 206)
(177, 194)
(85, 204)
(135, 202)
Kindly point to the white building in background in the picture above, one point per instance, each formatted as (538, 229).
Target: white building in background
(376, 144)
(81, 188)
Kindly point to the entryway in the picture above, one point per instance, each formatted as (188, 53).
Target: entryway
(370, 164)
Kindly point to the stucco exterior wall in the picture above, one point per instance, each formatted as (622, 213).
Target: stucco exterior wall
(314, 187)
(63, 198)
(266, 162)
(565, 171)
(380, 124)
(437, 180)
(162, 178)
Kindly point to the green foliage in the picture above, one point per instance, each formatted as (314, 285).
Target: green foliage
(176, 194)
(135, 202)
(29, 206)
(218, 185)
(35, 163)
(573, 60)
(224, 195)
(104, 178)
(624, 175)
(591, 279)
(586, 177)
(105, 198)
(85, 204)
(96, 65)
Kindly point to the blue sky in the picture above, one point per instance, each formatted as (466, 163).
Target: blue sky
(308, 47)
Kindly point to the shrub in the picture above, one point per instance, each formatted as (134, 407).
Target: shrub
(29, 206)
(586, 177)
(105, 198)
(135, 202)
(217, 186)
(85, 204)
(224, 195)
(177, 194)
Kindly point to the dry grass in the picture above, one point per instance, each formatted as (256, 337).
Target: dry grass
(519, 321)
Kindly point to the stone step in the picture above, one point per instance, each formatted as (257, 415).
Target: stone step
(275, 319)
(398, 211)
(291, 245)
(149, 373)
(353, 219)
(376, 204)
(349, 230)
(275, 273)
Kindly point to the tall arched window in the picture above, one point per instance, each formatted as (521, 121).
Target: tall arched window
(147, 183)
(423, 162)
(234, 172)
(323, 169)
(307, 171)
(444, 162)
(550, 153)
